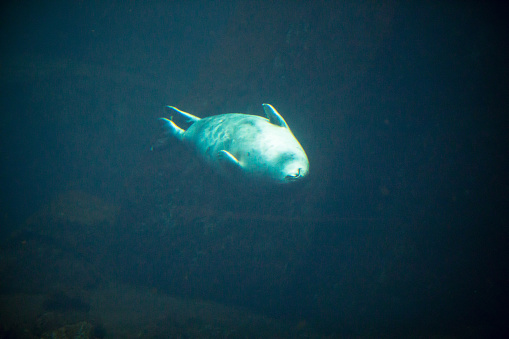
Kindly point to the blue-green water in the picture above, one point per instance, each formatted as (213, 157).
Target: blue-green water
(399, 230)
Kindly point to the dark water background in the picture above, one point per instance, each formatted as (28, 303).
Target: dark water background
(400, 229)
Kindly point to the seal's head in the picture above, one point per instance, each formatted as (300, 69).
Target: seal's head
(293, 165)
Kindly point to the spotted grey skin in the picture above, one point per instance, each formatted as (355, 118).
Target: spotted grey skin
(257, 148)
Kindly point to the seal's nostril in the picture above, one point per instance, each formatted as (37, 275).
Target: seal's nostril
(294, 176)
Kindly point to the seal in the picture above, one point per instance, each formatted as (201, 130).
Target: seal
(243, 145)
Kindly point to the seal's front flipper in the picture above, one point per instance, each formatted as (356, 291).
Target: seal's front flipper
(274, 117)
(227, 160)
(171, 130)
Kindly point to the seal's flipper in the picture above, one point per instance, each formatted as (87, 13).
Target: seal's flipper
(171, 130)
(189, 117)
(274, 117)
(227, 160)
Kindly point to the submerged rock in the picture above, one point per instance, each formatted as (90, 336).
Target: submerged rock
(81, 330)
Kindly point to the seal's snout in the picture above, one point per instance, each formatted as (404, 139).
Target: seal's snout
(295, 176)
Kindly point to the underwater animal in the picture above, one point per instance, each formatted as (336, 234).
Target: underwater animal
(243, 145)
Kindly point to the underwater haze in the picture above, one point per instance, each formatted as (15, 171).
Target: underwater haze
(399, 230)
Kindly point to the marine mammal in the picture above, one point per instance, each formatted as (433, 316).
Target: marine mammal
(249, 146)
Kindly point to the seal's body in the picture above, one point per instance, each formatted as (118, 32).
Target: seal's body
(263, 149)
